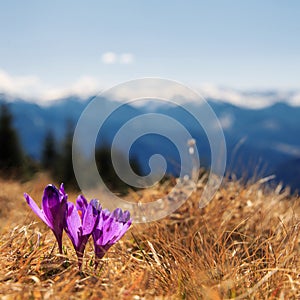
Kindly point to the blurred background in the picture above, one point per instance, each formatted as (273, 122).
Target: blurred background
(242, 56)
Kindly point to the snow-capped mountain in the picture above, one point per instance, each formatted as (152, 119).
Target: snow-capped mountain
(260, 142)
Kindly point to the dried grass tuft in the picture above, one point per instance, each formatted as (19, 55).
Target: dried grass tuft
(243, 245)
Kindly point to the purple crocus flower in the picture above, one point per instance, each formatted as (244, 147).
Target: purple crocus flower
(110, 228)
(80, 222)
(54, 206)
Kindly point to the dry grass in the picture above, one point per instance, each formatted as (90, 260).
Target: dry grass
(243, 245)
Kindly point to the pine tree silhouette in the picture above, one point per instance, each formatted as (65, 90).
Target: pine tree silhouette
(66, 171)
(107, 171)
(11, 154)
(50, 154)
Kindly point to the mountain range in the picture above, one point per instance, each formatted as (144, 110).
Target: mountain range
(260, 142)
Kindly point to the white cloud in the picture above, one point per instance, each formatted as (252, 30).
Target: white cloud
(109, 58)
(295, 100)
(84, 87)
(114, 58)
(126, 58)
(152, 88)
(17, 85)
(248, 99)
(32, 88)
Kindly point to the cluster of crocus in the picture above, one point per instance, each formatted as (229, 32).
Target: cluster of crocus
(80, 221)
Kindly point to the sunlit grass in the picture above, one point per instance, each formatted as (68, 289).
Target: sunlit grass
(244, 244)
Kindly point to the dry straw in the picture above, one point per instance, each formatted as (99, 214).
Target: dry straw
(243, 245)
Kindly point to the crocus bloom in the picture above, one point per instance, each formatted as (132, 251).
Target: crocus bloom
(80, 222)
(54, 205)
(109, 229)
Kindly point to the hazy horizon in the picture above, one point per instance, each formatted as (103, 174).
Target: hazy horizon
(52, 49)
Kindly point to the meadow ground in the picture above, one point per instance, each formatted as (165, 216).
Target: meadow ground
(243, 245)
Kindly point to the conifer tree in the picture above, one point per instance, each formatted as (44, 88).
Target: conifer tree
(66, 172)
(50, 154)
(107, 171)
(11, 154)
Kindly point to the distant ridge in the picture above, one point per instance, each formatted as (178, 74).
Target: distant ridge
(270, 134)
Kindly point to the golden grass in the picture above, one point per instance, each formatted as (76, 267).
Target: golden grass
(244, 245)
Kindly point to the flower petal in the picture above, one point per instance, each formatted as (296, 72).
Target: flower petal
(96, 204)
(121, 216)
(51, 203)
(126, 216)
(105, 214)
(110, 230)
(81, 205)
(73, 224)
(89, 219)
(37, 210)
(62, 194)
(62, 189)
(117, 213)
(121, 232)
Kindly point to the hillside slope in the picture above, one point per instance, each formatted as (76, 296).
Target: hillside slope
(244, 245)
(259, 141)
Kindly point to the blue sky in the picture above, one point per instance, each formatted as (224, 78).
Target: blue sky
(50, 46)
